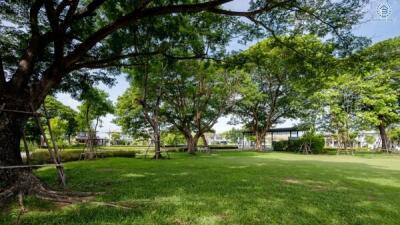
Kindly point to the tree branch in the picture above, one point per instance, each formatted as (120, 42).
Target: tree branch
(134, 16)
(89, 9)
(274, 35)
(51, 15)
(60, 8)
(112, 59)
(267, 8)
(26, 62)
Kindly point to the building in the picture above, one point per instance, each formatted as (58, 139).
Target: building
(274, 134)
(365, 139)
(82, 137)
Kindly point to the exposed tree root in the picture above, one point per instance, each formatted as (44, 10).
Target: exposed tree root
(28, 184)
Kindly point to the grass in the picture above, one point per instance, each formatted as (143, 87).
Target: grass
(227, 188)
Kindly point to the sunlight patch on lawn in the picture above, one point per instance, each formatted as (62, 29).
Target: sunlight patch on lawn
(133, 175)
(379, 181)
(237, 167)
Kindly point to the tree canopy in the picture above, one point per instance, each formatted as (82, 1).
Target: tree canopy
(278, 78)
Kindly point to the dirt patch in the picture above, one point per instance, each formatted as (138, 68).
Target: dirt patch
(313, 185)
(292, 181)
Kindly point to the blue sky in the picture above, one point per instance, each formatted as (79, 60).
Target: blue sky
(373, 26)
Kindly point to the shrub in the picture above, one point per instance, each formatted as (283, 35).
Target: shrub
(42, 156)
(317, 144)
(280, 145)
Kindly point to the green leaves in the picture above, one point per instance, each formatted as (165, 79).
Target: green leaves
(281, 74)
(95, 104)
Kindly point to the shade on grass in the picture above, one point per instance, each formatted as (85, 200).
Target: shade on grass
(227, 188)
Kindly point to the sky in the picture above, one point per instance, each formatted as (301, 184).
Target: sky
(373, 26)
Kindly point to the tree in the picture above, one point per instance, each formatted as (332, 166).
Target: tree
(49, 45)
(394, 135)
(95, 104)
(379, 67)
(66, 114)
(278, 76)
(379, 102)
(58, 111)
(339, 104)
(370, 139)
(233, 135)
(199, 92)
(353, 102)
(172, 138)
(138, 109)
(116, 138)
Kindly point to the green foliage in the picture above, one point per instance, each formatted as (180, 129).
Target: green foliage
(370, 139)
(138, 109)
(281, 146)
(43, 157)
(58, 127)
(280, 78)
(233, 135)
(379, 98)
(63, 121)
(394, 134)
(95, 104)
(172, 138)
(199, 92)
(364, 96)
(315, 141)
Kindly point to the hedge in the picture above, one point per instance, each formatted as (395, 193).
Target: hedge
(42, 156)
(317, 144)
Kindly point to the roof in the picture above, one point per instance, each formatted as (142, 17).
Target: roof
(278, 130)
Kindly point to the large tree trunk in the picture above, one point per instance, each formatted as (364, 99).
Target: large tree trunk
(10, 135)
(384, 138)
(18, 179)
(191, 143)
(259, 140)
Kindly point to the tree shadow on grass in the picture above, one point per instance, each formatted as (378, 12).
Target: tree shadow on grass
(232, 190)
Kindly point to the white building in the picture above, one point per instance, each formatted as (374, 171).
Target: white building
(361, 141)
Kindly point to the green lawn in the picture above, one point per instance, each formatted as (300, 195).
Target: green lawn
(228, 188)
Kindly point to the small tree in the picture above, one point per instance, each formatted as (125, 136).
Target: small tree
(65, 113)
(139, 109)
(370, 139)
(95, 104)
(116, 138)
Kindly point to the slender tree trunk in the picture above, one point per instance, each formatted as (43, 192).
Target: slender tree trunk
(203, 137)
(384, 138)
(157, 143)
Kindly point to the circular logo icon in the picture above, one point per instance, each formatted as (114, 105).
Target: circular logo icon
(384, 10)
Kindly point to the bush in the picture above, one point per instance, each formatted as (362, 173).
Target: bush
(42, 156)
(317, 144)
(280, 145)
